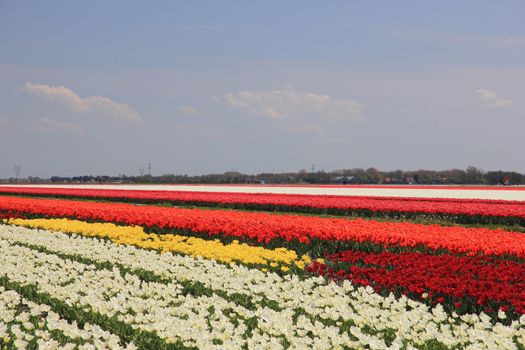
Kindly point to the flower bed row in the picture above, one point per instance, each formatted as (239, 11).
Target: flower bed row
(25, 324)
(458, 210)
(130, 304)
(209, 249)
(183, 317)
(463, 282)
(297, 231)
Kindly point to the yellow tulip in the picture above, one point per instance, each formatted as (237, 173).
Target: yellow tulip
(210, 249)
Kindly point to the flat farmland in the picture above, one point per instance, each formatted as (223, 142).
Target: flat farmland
(262, 267)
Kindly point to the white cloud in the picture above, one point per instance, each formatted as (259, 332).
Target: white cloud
(96, 105)
(49, 124)
(290, 104)
(491, 99)
(188, 110)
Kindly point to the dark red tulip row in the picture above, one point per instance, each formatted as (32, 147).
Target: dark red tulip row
(469, 210)
(267, 228)
(463, 280)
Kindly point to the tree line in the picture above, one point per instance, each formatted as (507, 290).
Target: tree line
(469, 176)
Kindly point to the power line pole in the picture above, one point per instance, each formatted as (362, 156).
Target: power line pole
(149, 169)
(17, 171)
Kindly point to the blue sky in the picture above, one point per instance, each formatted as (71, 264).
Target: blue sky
(197, 87)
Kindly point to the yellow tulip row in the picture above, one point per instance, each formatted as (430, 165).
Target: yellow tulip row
(210, 249)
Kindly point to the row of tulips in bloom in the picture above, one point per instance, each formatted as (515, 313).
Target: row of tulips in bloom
(463, 284)
(140, 298)
(28, 324)
(301, 233)
(193, 246)
(459, 210)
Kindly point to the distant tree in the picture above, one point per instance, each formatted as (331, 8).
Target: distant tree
(456, 176)
(373, 175)
(398, 176)
(473, 175)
